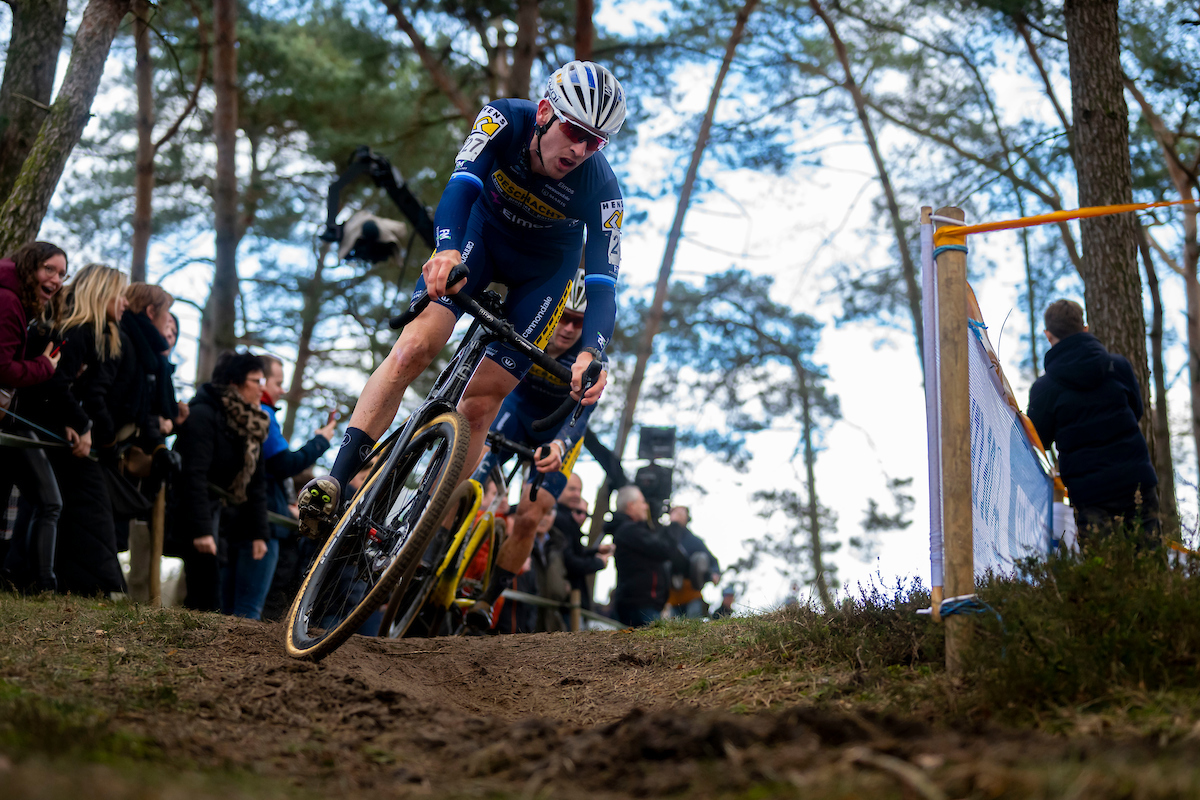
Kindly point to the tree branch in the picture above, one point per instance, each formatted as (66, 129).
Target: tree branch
(441, 78)
(201, 73)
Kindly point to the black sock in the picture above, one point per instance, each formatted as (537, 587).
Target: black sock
(356, 449)
(501, 579)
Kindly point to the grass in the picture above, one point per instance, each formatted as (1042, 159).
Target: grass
(1110, 640)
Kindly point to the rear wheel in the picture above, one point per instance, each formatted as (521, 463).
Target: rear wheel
(412, 599)
(380, 538)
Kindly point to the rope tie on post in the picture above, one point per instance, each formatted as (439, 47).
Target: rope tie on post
(937, 251)
(971, 604)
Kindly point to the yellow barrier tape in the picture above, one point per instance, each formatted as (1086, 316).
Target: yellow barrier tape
(953, 234)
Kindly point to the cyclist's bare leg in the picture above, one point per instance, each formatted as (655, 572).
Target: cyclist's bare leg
(419, 343)
(519, 545)
(481, 401)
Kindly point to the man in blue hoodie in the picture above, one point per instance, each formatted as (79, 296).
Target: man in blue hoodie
(281, 465)
(1089, 403)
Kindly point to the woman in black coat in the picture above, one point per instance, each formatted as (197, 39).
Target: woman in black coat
(75, 404)
(220, 443)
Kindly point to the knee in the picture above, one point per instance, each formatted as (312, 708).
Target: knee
(480, 409)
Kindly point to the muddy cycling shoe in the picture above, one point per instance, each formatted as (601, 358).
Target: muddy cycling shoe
(318, 502)
(478, 619)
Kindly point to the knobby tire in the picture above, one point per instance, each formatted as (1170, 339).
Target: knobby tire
(449, 434)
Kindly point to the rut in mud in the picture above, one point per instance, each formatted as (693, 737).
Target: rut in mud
(554, 715)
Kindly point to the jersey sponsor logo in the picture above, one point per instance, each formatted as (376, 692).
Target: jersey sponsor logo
(443, 235)
(522, 197)
(611, 214)
(520, 221)
(487, 125)
(508, 362)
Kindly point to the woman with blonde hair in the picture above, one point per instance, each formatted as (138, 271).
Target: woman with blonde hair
(144, 396)
(75, 404)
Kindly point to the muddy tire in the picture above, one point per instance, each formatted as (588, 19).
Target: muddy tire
(380, 539)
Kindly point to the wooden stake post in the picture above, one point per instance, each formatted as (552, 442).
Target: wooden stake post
(158, 521)
(957, 535)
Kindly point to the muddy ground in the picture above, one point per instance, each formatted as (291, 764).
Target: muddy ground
(597, 714)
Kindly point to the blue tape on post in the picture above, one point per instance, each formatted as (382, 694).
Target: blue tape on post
(959, 248)
(970, 604)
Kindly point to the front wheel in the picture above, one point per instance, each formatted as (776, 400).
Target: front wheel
(380, 538)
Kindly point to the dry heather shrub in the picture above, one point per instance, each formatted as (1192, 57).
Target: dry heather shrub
(1081, 628)
(878, 626)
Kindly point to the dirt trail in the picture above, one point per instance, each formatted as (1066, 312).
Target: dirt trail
(608, 715)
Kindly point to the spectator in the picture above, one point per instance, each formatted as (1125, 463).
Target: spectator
(144, 394)
(221, 444)
(282, 466)
(29, 282)
(513, 616)
(725, 609)
(685, 598)
(580, 560)
(643, 555)
(1089, 403)
(75, 403)
(550, 571)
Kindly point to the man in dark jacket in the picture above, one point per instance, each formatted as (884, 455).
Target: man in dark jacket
(686, 600)
(580, 560)
(1089, 403)
(644, 556)
(278, 569)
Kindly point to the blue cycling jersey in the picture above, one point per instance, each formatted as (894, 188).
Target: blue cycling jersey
(537, 396)
(492, 178)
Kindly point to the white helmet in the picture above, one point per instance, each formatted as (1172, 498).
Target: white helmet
(588, 94)
(577, 298)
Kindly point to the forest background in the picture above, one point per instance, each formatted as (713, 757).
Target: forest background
(194, 144)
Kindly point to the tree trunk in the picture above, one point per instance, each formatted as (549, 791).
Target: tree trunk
(29, 68)
(1183, 180)
(314, 295)
(1112, 286)
(525, 49)
(654, 318)
(585, 29)
(1163, 463)
(810, 480)
(144, 176)
(217, 328)
(911, 288)
(25, 207)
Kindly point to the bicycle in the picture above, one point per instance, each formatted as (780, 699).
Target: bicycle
(378, 542)
(440, 586)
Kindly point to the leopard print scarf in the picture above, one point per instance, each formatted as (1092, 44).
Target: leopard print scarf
(250, 423)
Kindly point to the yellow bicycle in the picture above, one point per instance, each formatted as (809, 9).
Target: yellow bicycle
(438, 597)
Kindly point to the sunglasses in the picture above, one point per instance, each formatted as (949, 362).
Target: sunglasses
(574, 320)
(577, 133)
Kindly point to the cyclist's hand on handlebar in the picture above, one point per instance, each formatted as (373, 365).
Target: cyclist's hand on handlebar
(436, 270)
(552, 462)
(580, 366)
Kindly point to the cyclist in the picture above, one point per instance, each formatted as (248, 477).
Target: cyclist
(536, 397)
(527, 182)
